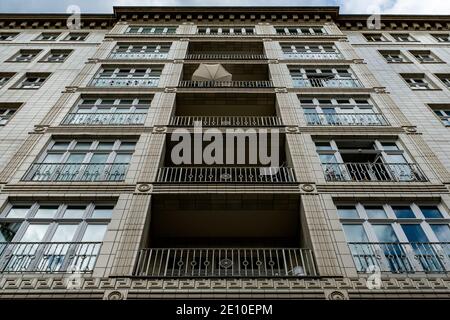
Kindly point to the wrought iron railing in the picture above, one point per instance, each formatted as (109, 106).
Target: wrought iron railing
(226, 56)
(345, 119)
(225, 262)
(226, 175)
(125, 82)
(238, 34)
(225, 84)
(303, 34)
(104, 118)
(77, 172)
(325, 83)
(365, 171)
(399, 257)
(138, 55)
(313, 55)
(225, 121)
(48, 257)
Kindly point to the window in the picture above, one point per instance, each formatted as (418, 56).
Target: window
(83, 160)
(220, 30)
(310, 51)
(32, 81)
(73, 36)
(403, 37)
(56, 55)
(302, 31)
(151, 29)
(141, 51)
(442, 37)
(109, 111)
(48, 36)
(52, 237)
(338, 77)
(24, 56)
(4, 78)
(8, 36)
(425, 56)
(375, 37)
(418, 81)
(442, 111)
(122, 77)
(445, 79)
(7, 110)
(393, 56)
(382, 234)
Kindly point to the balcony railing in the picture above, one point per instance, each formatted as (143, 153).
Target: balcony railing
(48, 257)
(399, 257)
(236, 34)
(313, 55)
(125, 82)
(365, 171)
(92, 119)
(138, 55)
(225, 84)
(225, 175)
(225, 56)
(302, 34)
(76, 172)
(345, 119)
(225, 121)
(325, 83)
(225, 262)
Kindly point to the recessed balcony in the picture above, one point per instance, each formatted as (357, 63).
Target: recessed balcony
(225, 51)
(397, 257)
(225, 110)
(223, 238)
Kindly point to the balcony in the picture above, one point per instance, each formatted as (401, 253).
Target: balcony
(86, 172)
(48, 257)
(225, 262)
(124, 82)
(399, 257)
(225, 84)
(225, 56)
(325, 83)
(225, 175)
(104, 119)
(376, 172)
(239, 50)
(225, 121)
(313, 55)
(345, 119)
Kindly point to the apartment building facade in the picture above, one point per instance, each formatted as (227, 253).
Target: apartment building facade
(93, 205)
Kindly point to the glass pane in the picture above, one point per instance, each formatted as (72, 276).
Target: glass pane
(122, 158)
(60, 145)
(390, 146)
(94, 233)
(53, 158)
(64, 233)
(414, 233)
(74, 212)
(430, 212)
(403, 212)
(385, 233)
(327, 158)
(18, 211)
(83, 145)
(102, 212)
(375, 212)
(8, 231)
(347, 212)
(442, 232)
(46, 212)
(35, 233)
(355, 233)
(99, 158)
(127, 145)
(76, 158)
(105, 145)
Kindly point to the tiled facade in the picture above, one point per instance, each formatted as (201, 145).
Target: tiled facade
(76, 141)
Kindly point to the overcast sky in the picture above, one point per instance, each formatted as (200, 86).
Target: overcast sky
(347, 6)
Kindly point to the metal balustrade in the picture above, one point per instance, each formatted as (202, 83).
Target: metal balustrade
(225, 175)
(125, 82)
(138, 55)
(225, 121)
(225, 84)
(325, 83)
(313, 55)
(77, 172)
(48, 257)
(345, 119)
(237, 34)
(303, 34)
(399, 257)
(225, 262)
(101, 118)
(225, 56)
(365, 171)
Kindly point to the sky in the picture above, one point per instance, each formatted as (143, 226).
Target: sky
(347, 6)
